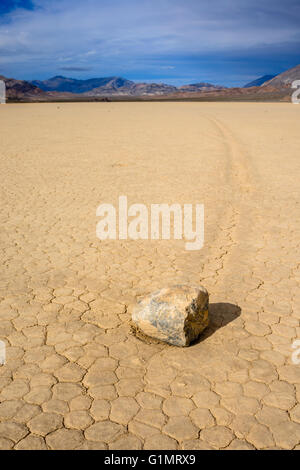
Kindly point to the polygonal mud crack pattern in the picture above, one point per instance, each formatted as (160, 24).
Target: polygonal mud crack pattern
(75, 377)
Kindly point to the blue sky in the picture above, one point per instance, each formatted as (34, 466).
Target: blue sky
(228, 42)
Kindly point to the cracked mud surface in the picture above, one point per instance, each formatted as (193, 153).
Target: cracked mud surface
(75, 377)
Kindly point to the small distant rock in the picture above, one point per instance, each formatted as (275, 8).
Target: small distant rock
(176, 315)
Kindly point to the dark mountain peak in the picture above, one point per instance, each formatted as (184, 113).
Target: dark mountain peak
(202, 84)
(73, 85)
(61, 77)
(259, 81)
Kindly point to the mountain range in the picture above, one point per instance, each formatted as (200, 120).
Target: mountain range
(107, 86)
(64, 88)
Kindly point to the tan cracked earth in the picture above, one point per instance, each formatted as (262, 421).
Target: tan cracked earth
(75, 378)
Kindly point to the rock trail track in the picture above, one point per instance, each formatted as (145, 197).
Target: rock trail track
(75, 377)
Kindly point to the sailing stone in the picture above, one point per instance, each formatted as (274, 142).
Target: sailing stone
(175, 315)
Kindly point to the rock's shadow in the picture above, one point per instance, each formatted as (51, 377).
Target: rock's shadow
(220, 314)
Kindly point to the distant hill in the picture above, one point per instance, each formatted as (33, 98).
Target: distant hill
(132, 89)
(20, 89)
(202, 86)
(259, 81)
(72, 85)
(284, 79)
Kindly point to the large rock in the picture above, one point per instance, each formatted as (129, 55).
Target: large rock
(176, 315)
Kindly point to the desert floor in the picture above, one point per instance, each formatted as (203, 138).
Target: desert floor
(75, 378)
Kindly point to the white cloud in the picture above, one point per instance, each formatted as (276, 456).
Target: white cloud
(111, 32)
